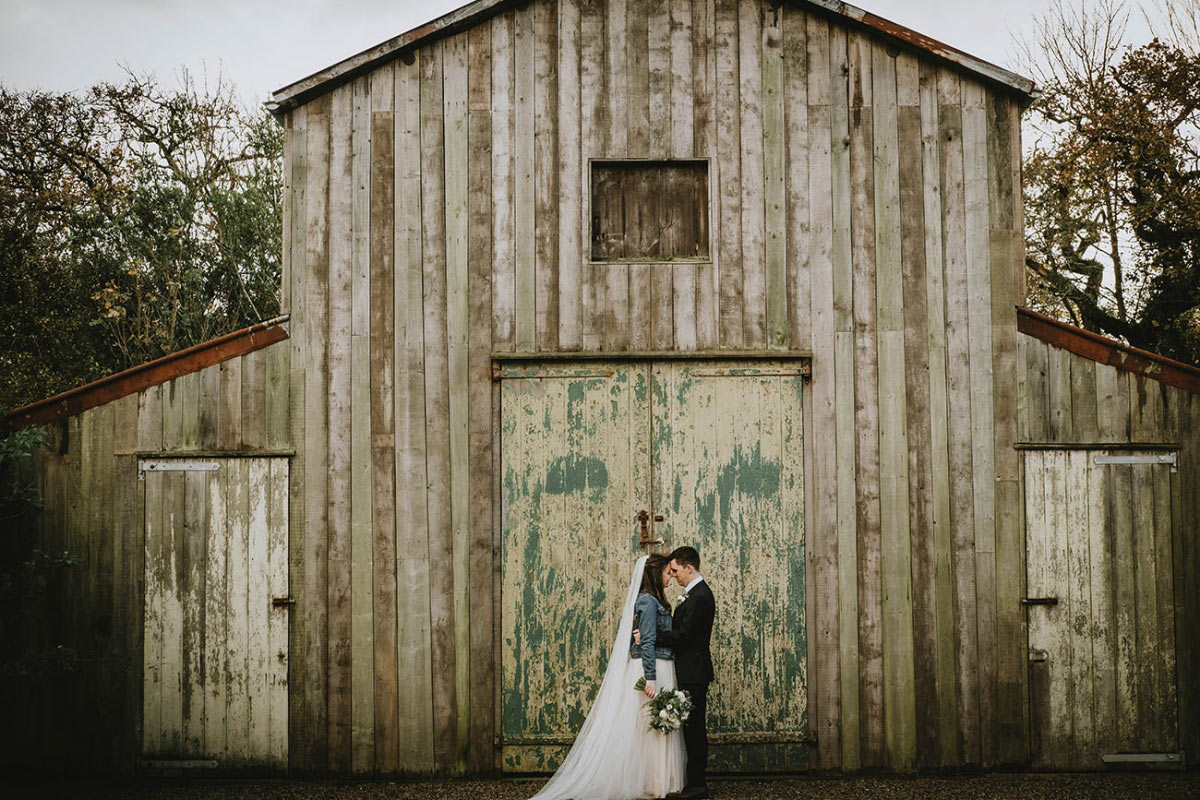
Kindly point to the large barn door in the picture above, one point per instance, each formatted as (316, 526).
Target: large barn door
(596, 457)
(728, 472)
(574, 461)
(216, 612)
(1100, 603)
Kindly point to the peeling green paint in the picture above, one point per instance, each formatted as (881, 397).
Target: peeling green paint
(749, 476)
(572, 473)
(683, 388)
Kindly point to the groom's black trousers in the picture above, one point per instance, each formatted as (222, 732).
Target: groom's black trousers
(695, 734)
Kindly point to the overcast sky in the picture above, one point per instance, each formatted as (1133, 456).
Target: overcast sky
(263, 45)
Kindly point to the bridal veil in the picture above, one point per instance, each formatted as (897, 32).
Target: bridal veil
(604, 762)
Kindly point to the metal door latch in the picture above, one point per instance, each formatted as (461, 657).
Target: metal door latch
(1038, 655)
(283, 602)
(643, 518)
(1039, 601)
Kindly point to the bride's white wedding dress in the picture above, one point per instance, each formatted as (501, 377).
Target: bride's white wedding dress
(617, 756)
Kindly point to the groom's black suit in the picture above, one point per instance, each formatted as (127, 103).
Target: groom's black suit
(691, 630)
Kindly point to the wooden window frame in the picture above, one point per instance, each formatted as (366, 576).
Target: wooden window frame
(708, 211)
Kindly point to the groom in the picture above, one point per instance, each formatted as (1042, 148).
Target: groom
(689, 636)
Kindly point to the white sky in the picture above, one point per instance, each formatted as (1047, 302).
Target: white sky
(263, 45)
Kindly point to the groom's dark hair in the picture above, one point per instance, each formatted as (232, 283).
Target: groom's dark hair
(686, 556)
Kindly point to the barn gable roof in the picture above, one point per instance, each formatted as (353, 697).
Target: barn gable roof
(1104, 350)
(305, 89)
(152, 373)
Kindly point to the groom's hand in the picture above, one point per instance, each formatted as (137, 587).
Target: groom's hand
(637, 637)
(649, 690)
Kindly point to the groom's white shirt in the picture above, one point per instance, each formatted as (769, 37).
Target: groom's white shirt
(688, 589)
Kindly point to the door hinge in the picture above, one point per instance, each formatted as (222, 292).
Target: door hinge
(178, 763)
(1152, 458)
(1143, 758)
(174, 465)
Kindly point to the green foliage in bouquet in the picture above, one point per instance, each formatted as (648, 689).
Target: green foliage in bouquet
(668, 709)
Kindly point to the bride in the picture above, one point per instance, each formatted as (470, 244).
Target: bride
(617, 756)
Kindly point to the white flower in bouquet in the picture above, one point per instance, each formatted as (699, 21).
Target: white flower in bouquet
(669, 709)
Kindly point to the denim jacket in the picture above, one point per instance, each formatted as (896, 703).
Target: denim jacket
(651, 617)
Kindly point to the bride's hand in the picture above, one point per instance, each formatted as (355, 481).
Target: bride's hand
(637, 637)
(650, 689)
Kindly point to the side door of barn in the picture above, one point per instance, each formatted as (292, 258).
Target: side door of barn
(599, 463)
(215, 652)
(1102, 535)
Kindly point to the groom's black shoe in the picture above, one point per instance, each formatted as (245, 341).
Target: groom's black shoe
(690, 793)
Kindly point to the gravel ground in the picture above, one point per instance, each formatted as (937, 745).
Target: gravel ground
(1136, 786)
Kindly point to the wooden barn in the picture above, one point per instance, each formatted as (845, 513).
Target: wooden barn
(569, 281)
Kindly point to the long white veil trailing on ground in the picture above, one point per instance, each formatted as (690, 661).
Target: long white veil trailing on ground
(597, 765)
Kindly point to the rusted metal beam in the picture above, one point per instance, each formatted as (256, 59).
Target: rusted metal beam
(152, 373)
(1108, 351)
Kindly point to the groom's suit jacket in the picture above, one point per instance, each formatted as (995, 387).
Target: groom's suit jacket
(691, 630)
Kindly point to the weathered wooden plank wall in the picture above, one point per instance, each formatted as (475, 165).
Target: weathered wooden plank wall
(1070, 400)
(95, 508)
(864, 208)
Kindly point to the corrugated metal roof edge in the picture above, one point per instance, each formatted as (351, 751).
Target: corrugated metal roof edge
(152, 373)
(305, 89)
(1104, 350)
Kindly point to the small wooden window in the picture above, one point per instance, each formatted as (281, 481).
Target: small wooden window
(649, 210)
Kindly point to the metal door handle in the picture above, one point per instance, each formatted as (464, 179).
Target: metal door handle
(1039, 601)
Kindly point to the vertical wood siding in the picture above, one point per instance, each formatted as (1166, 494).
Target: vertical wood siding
(864, 209)
(96, 508)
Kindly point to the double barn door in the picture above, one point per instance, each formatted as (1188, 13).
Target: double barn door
(603, 462)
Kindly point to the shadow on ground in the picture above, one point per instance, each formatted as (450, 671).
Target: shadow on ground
(1134, 786)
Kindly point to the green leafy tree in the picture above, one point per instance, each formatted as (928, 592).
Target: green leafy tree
(26, 570)
(1113, 179)
(134, 221)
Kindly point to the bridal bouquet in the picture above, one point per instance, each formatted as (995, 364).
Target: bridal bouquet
(668, 709)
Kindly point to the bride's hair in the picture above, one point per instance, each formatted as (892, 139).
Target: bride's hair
(652, 582)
